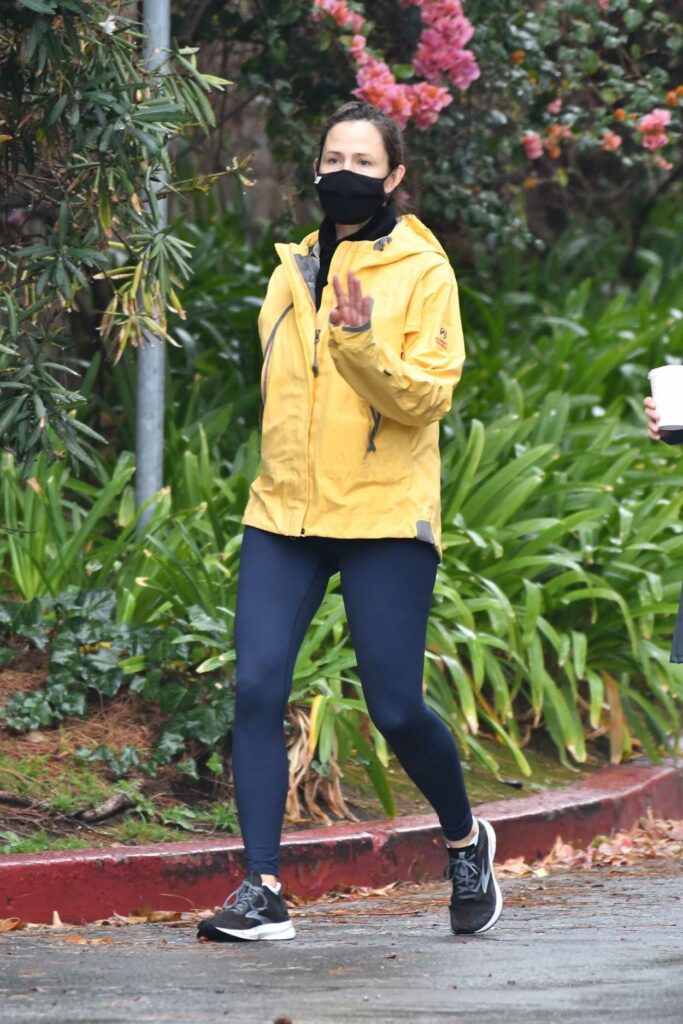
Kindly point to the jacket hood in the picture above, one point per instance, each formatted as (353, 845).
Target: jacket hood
(409, 237)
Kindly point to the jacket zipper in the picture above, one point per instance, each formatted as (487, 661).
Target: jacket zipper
(376, 416)
(267, 357)
(316, 371)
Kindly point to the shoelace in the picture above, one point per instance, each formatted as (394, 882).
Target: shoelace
(466, 876)
(247, 897)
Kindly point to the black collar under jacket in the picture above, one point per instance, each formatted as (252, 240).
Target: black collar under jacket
(381, 223)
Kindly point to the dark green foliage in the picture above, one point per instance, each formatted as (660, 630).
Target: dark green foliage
(563, 547)
(85, 124)
(91, 656)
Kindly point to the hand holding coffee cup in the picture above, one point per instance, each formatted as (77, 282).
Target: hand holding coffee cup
(665, 409)
(652, 414)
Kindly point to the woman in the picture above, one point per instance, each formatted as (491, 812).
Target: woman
(671, 437)
(362, 347)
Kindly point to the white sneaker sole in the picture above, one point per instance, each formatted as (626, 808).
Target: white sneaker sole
(496, 888)
(273, 932)
(499, 896)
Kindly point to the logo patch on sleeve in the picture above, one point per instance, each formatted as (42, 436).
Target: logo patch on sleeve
(441, 340)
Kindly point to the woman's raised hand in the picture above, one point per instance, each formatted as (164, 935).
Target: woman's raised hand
(652, 419)
(353, 308)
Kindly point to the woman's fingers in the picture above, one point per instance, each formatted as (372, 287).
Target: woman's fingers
(653, 419)
(340, 315)
(362, 304)
(353, 308)
(338, 290)
(340, 296)
(355, 293)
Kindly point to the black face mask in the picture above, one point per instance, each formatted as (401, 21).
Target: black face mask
(350, 198)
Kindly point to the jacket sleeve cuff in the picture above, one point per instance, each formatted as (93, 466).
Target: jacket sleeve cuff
(351, 339)
(356, 330)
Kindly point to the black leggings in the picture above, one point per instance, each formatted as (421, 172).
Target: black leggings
(387, 586)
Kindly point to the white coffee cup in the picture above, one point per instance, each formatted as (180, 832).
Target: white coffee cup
(666, 383)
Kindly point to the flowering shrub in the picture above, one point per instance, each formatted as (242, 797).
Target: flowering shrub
(74, 82)
(533, 111)
(441, 50)
(570, 95)
(440, 56)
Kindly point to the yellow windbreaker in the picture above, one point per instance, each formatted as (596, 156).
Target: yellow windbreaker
(350, 429)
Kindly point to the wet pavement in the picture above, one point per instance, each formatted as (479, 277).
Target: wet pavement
(587, 946)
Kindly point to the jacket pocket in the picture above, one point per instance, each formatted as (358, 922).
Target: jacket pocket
(267, 355)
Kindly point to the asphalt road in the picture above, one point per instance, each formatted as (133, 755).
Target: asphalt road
(596, 946)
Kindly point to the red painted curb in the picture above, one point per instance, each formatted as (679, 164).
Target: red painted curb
(83, 885)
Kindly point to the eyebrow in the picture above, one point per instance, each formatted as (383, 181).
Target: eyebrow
(338, 152)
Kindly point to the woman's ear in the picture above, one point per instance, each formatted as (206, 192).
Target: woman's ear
(395, 178)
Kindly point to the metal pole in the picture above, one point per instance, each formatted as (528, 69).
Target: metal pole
(149, 431)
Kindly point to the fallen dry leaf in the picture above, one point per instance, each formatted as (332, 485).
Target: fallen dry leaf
(649, 839)
(144, 917)
(515, 867)
(83, 940)
(165, 915)
(11, 924)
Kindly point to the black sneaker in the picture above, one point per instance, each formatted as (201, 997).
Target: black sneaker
(476, 902)
(256, 912)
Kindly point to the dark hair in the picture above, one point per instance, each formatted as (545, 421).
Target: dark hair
(358, 110)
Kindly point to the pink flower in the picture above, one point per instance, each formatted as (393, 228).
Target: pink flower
(441, 50)
(357, 48)
(532, 145)
(603, 4)
(428, 102)
(611, 140)
(652, 126)
(422, 102)
(340, 12)
(666, 165)
(441, 57)
(377, 85)
(655, 122)
(464, 70)
(655, 141)
(555, 107)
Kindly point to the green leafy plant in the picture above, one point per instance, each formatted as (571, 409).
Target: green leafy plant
(223, 816)
(51, 524)
(562, 551)
(36, 843)
(86, 121)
